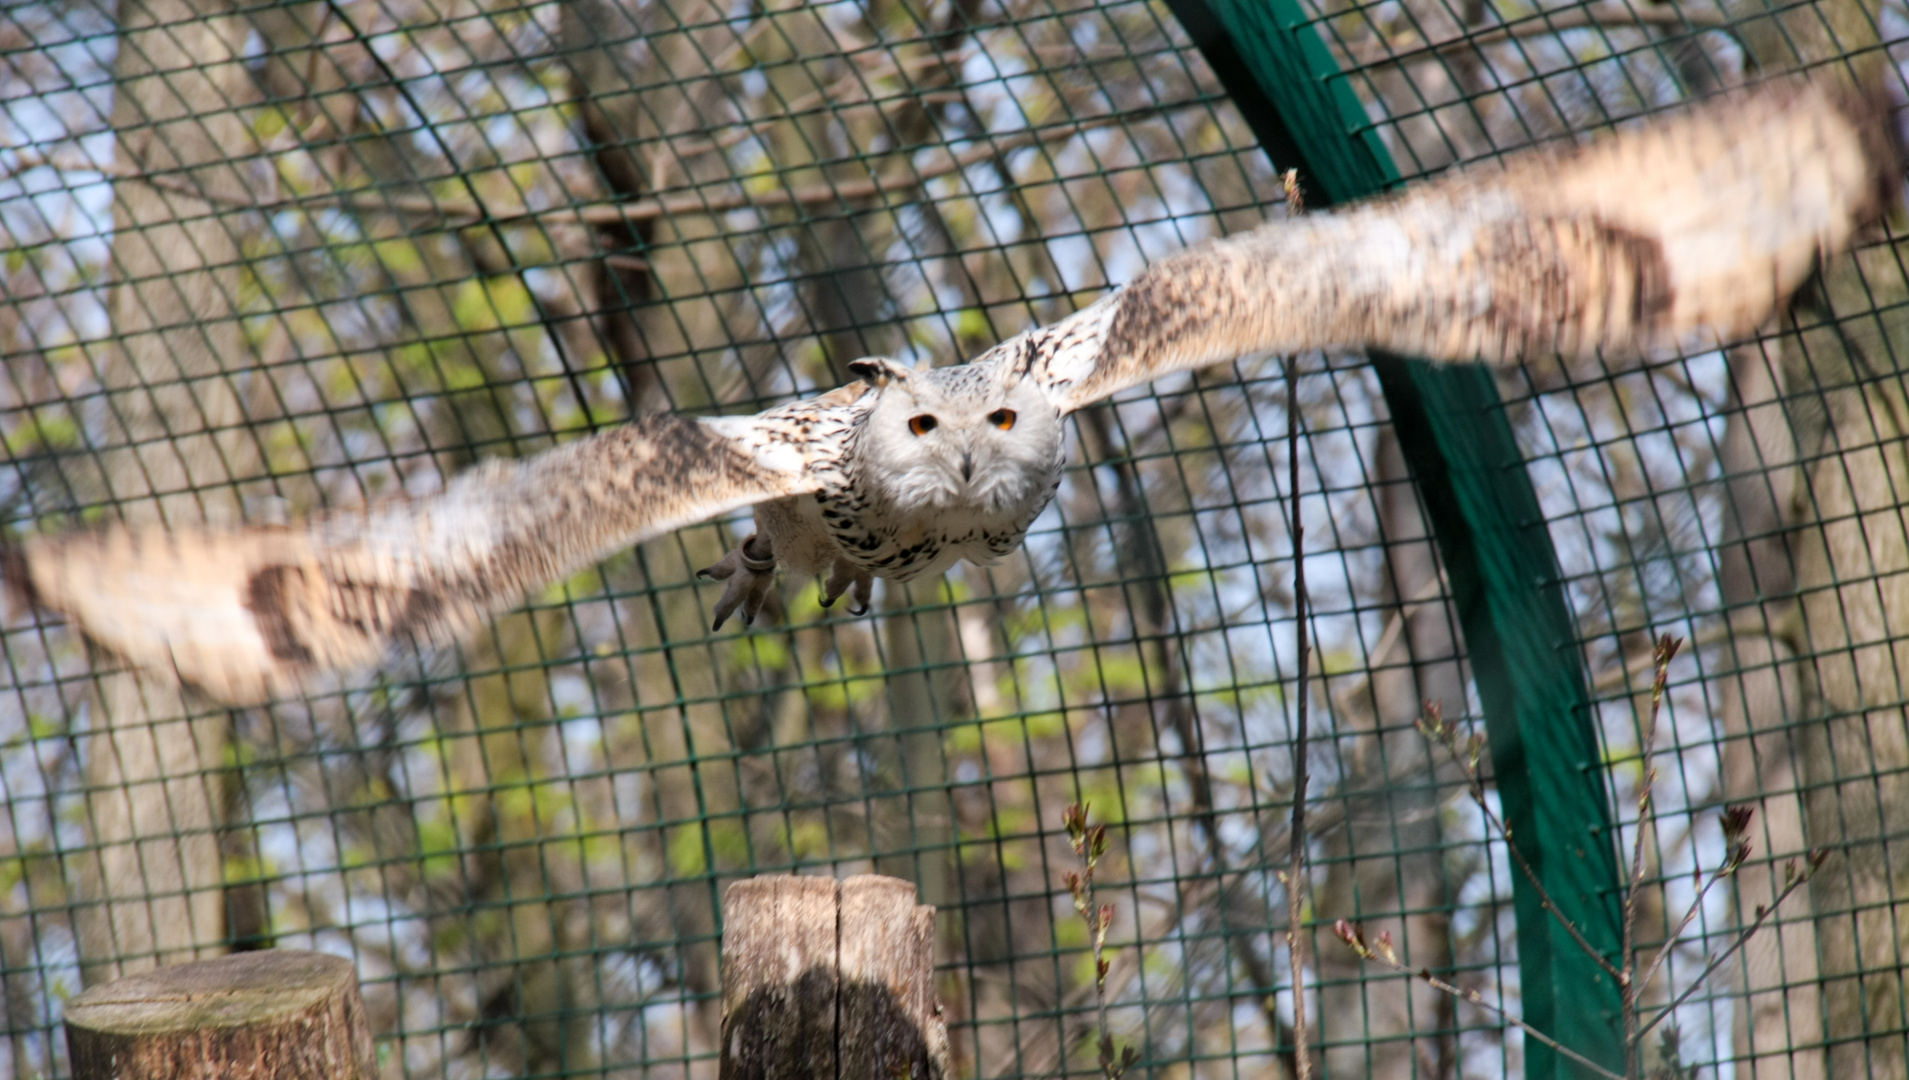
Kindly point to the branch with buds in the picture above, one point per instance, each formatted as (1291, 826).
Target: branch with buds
(1090, 843)
(1467, 751)
(1379, 950)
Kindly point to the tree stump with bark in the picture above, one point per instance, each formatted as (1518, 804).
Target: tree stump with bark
(827, 980)
(286, 1015)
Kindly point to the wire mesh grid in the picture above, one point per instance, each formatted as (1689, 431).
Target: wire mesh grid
(267, 259)
(1731, 498)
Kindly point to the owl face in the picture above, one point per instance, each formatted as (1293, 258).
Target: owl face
(958, 438)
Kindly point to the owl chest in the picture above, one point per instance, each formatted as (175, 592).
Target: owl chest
(866, 525)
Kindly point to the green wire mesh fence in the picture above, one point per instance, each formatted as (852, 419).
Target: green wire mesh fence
(266, 258)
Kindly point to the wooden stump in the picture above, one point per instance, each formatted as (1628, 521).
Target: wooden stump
(289, 1015)
(827, 980)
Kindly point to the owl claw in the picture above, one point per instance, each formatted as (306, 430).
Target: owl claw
(750, 570)
(842, 577)
(864, 589)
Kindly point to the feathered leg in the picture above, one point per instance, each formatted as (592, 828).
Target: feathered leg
(750, 570)
(841, 577)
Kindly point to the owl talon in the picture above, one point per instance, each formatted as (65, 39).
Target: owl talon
(859, 598)
(844, 576)
(746, 591)
(750, 570)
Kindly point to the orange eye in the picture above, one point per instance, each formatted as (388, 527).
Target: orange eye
(923, 424)
(1002, 418)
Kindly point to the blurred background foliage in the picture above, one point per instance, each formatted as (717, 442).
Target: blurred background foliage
(261, 258)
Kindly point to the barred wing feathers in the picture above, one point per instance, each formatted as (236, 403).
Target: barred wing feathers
(250, 614)
(1684, 233)
(1681, 234)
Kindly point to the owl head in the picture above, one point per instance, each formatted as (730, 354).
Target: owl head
(966, 437)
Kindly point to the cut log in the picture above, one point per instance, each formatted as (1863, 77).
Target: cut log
(826, 980)
(285, 1015)
(778, 963)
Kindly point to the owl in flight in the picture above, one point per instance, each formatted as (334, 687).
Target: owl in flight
(1683, 234)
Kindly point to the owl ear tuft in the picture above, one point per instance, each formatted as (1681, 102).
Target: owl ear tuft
(877, 371)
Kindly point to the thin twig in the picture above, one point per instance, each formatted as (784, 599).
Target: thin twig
(1797, 881)
(1446, 735)
(1295, 882)
(1661, 655)
(1382, 953)
(851, 89)
(1620, 677)
(1547, 23)
(468, 212)
(1736, 821)
(1427, 596)
(1739, 851)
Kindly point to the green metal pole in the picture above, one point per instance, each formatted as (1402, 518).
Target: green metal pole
(1491, 534)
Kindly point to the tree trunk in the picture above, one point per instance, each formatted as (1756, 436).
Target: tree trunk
(1369, 1025)
(1844, 348)
(1759, 696)
(1853, 578)
(605, 41)
(173, 452)
(916, 824)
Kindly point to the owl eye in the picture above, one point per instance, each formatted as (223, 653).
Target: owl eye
(923, 424)
(1002, 418)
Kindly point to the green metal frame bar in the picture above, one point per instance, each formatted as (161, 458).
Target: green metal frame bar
(1491, 534)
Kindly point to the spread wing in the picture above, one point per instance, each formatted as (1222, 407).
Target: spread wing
(1682, 234)
(249, 614)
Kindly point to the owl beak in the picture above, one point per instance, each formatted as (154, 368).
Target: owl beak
(967, 466)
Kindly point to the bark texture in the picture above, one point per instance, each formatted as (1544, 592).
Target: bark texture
(829, 980)
(279, 1015)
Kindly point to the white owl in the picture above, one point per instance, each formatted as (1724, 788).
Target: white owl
(1680, 235)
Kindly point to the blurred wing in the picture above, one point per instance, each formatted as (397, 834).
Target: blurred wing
(1681, 234)
(252, 613)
